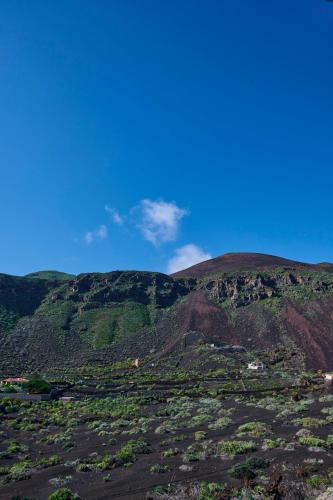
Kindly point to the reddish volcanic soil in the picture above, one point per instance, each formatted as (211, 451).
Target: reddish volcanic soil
(310, 326)
(231, 262)
(198, 313)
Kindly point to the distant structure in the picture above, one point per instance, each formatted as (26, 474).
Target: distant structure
(259, 365)
(136, 363)
(328, 376)
(13, 380)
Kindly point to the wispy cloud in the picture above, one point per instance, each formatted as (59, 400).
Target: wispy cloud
(89, 237)
(101, 233)
(115, 215)
(185, 257)
(160, 220)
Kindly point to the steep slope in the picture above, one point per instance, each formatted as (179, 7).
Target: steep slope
(19, 297)
(80, 320)
(282, 307)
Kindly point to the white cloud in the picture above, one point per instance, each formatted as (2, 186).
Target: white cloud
(115, 215)
(101, 233)
(185, 257)
(160, 220)
(89, 237)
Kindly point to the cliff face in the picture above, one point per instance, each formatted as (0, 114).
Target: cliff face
(112, 316)
(245, 288)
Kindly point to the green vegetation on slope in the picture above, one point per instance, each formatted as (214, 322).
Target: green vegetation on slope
(50, 275)
(100, 327)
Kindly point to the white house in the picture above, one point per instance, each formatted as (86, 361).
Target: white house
(328, 376)
(258, 365)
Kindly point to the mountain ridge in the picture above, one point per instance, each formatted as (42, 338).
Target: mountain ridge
(260, 305)
(241, 261)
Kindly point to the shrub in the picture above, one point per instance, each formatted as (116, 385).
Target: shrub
(309, 422)
(63, 494)
(270, 444)
(220, 423)
(254, 429)
(236, 447)
(257, 463)
(14, 447)
(200, 435)
(158, 468)
(312, 441)
(329, 440)
(326, 398)
(127, 453)
(191, 456)
(171, 452)
(316, 480)
(242, 471)
(37, 386)
(209, 491)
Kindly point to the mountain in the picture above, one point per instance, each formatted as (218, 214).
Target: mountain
(233, 262)
(275, 308)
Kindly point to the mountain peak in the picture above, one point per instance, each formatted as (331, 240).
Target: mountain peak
(242, 261)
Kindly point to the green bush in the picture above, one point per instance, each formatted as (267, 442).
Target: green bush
(257, 462)
(242, 471)
(158, 468)
(171, 452)
(329, 440)
(63, 494)
(37, 386)
(247, 470)
(200, 435)
(127, 453)
(312, 441)
(236, 447)
(309, 422)
(316, 480)
(254, 429)
(209, 491)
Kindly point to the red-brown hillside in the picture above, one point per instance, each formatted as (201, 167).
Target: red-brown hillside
(232, 262)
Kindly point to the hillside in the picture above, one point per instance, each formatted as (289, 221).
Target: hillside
(50, 275)
(276, 308)
(233, 262)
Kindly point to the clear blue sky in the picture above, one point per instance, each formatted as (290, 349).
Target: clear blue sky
(219, 113)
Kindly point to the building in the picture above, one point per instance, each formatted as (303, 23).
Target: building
(258, 365)
(13, 380)
(328, 376)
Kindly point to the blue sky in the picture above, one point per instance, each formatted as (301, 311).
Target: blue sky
(150, 134)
